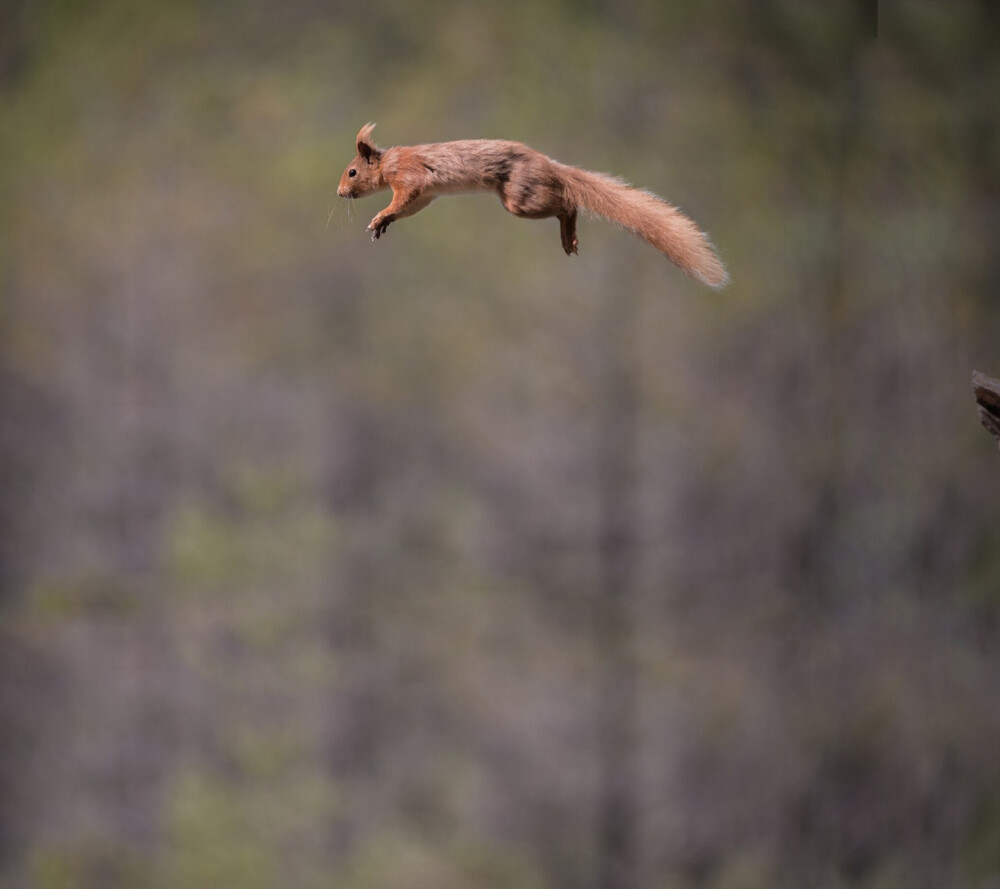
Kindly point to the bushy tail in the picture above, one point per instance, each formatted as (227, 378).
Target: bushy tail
(644, 214)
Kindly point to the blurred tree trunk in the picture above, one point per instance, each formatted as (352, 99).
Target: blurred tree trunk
(14, 467)
(982, 156)
(353, 742)
(616, 467)
(14, 47)
(982, 141)
(813, 563)
(353, 473)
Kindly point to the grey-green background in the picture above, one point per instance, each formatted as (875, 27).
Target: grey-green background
(450, 561)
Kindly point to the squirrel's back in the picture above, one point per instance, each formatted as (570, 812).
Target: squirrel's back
(465, 164)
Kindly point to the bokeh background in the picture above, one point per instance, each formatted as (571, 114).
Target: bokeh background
(450, 561)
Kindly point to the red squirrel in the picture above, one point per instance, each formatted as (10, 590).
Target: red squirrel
(530, 185)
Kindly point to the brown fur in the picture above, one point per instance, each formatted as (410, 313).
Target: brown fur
(529, 185)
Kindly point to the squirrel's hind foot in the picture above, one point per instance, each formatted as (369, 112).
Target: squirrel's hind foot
(567, 232)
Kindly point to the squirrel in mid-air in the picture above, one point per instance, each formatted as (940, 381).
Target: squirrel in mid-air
(530, 185)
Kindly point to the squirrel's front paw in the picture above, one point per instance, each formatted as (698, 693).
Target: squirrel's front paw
(378, 226)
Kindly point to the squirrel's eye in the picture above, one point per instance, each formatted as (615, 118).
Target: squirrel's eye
(352, 173)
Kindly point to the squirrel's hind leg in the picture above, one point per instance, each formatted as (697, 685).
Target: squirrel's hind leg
(567, 231)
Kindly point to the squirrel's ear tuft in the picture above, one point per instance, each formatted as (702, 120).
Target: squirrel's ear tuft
(366, 147)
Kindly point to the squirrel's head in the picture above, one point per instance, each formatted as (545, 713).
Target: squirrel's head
(364, 173)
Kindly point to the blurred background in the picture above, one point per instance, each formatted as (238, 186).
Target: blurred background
(450, 561)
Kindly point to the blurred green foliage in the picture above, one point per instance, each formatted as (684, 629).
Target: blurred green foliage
(304, 540)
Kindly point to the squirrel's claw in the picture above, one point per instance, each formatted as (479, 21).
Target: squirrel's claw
(378, 226)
